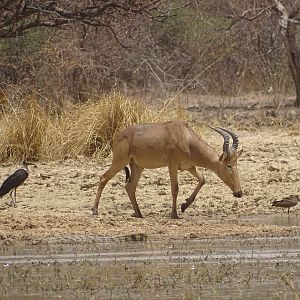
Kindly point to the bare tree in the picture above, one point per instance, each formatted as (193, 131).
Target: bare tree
(19, 16)
(290, 23)
(288, 19)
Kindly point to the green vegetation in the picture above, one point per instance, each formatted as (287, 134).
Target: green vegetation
(25, 45)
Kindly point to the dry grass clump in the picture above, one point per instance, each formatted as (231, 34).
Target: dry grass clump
(89, 128)
(86, 129)
(22, 131)
(295, 129)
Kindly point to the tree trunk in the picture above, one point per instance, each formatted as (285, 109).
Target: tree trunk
(290, 29)
(292, 45)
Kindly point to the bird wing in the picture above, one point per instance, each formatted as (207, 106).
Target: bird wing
(13, 181)
(285, 202)
(276, 202)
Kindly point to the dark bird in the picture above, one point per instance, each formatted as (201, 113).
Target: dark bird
(287, 202)
(13, 181)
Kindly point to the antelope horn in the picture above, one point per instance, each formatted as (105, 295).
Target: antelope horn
(224, 135)
(235, 138)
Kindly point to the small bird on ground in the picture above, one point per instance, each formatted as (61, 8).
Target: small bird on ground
(287, 202)
(13, 181)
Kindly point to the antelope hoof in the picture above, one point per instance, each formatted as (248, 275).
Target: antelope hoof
(95, 211)
(174, 216)
(137, 215)
(184, 206)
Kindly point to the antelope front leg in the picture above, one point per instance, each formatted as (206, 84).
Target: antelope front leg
(98, 195)
(191, 199)
(173, 171)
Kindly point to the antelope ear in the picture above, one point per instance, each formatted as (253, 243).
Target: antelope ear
(239, 153)
(223, 156)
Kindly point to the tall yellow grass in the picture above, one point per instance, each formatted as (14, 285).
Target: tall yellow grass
(30, 132)
(22, 131)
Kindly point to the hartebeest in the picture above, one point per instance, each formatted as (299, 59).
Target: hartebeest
(173, 144)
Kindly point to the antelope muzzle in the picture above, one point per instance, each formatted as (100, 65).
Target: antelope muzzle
(238, 194)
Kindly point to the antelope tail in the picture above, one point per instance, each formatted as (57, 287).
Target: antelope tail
(127, 174)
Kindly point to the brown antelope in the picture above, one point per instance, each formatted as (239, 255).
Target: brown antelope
(173, 144)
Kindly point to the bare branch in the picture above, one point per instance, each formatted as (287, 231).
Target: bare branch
(19, 16)
(244, 16)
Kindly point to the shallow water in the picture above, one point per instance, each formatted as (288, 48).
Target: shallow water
(249, 268)
(283, 219)
(263, 255)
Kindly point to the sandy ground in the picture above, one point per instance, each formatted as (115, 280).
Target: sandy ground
(54, 204)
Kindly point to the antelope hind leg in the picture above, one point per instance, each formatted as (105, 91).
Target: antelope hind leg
(131, 185)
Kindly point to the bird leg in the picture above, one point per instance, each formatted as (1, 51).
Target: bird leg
(13, 201)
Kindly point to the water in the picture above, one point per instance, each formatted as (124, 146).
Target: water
(233, 268)
(284, 219)
(263, 255)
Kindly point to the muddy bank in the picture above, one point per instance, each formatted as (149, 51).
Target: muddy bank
(55, 202)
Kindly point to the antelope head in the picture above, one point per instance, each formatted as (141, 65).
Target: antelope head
(227, 164)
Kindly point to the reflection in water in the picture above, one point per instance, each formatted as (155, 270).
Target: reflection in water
(276, 219)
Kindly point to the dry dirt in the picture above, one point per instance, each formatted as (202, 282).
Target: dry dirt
(54, 204)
